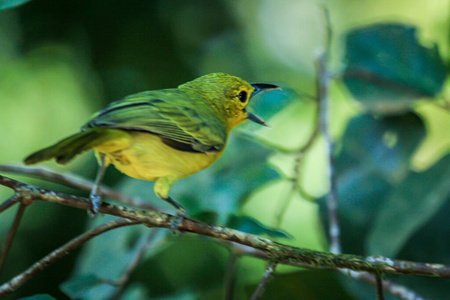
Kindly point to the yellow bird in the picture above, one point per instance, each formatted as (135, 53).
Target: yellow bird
(163, 135)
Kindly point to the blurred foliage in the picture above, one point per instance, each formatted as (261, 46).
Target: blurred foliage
(387, 69)
(62, 61)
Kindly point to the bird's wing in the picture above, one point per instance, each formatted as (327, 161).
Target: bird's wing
(181, 122)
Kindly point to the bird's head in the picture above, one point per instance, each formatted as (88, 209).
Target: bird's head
(229, 96)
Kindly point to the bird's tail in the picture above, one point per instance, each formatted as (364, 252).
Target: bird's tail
(67, 149)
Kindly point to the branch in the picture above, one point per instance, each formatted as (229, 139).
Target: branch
(379, 285)
(8, 203)
(262, 285)
(230, 275)
(396, 290)
(76, 182)
(284, 254)
(22, 278)
(12, 233)
(323, 82)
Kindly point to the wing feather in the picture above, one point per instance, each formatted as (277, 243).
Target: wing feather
(169, 114)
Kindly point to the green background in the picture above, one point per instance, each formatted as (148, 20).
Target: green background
(61, 61)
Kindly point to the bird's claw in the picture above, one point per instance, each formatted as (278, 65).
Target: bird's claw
(179, 218)
(96, 201)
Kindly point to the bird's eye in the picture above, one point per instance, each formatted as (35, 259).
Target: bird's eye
(242, 96)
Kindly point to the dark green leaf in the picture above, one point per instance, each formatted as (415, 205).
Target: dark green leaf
(387, 68)
(4, 4)
(80, 287)
(412, 204)
(381, 145)
(375, 156)
(430, 243)
(360, 195)
(251, 225)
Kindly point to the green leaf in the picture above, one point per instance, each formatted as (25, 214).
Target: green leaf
(4, 4)
(251, 225)
(387, 68)
(360, 195)
(80, 287)
(381, 145)
(135, 291)
(413, 203)
(375, 156)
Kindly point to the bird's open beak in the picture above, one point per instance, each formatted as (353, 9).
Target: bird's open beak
(262, 88)
(259, 89)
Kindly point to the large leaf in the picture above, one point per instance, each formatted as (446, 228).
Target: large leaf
(375, 156)
(431, 244)
(387, 68)
(412, 204)
(381, 145)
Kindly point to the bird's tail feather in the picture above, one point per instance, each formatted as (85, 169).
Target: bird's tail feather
(67, 149)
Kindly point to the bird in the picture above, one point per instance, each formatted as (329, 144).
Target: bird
(162, 135)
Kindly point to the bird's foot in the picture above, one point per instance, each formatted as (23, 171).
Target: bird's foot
(179, 218)
(96, 201)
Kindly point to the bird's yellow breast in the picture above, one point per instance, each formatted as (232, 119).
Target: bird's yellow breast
(144, 156)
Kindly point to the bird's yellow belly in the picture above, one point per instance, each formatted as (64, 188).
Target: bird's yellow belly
(144, 156)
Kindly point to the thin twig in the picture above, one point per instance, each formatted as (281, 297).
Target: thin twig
(379, 285)
(62, 251)
(284, 254)
(263, 283)
(394, 289)
(296, 188)
(230, 275)
(323, 82)
(11, 234)
(75, 181)
(8, 203)
(123, 281)
(284, 205)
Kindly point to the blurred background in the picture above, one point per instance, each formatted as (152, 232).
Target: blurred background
(61, 61)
